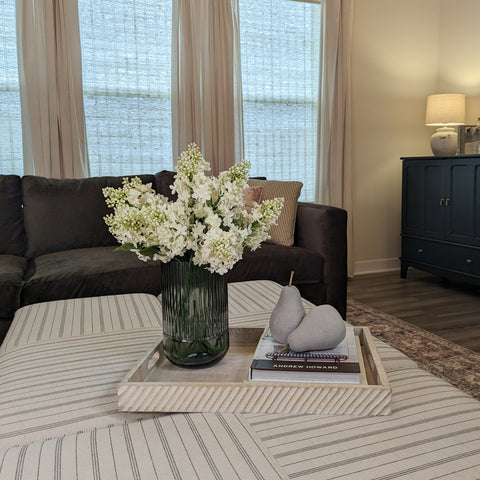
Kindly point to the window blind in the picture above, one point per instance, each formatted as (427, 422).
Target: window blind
(11, 150)
(126, 63)
(280, 55)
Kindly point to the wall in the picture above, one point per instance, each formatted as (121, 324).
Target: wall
(459, 62)
(394, 67)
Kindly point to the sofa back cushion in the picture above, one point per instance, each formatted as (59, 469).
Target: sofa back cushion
(67, 214)
(163, 180)
(12, 236)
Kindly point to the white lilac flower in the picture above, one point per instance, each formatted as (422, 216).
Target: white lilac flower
(208, 222)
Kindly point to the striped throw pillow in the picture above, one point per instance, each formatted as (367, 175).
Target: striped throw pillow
(283, 233)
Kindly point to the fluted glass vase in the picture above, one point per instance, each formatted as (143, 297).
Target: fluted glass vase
(195, 314)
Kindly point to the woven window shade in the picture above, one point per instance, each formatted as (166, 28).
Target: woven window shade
(126, 62)
(11, 150)
(280, 55)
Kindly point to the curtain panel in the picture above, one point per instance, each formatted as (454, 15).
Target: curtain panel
(334, 172)
(206, 80)
(50, 74)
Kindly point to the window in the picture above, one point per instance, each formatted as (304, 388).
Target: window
(126, 62)
(280, 55)
(11, 149)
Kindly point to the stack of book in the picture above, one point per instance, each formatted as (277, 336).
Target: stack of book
(273, 361)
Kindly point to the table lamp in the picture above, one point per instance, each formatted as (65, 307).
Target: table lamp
(445, 110)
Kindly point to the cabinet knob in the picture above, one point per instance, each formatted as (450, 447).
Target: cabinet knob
(420, 250)
(441, 201)
(447, 202)
(469, 260)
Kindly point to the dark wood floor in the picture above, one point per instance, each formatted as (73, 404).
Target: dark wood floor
(450, 310)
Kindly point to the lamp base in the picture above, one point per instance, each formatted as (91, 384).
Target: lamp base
(444, 141)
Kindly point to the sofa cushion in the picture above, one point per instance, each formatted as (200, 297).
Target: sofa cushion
(283, 233)
(89, 272)
(275, 262)
(12, 236)
(12, 270)
(67, 214)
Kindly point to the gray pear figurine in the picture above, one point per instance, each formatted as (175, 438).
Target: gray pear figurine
(322, 328)
(287, 314)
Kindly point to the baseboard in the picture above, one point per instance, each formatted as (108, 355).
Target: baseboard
(376, 266)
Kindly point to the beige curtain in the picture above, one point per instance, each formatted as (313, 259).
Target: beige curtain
(51, 88)
(334, 147)
(206, 85)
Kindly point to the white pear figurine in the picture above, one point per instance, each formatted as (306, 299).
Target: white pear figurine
(287, 314)
(321, 328)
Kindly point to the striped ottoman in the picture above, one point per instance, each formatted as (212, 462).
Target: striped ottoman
(61, 362)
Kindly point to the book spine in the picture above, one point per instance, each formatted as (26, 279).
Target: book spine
(281, 365)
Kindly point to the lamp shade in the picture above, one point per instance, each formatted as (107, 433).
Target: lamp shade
(445, 109)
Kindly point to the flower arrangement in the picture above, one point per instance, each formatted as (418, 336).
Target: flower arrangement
(208, 224)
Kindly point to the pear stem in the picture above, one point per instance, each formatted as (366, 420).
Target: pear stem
(291, 278)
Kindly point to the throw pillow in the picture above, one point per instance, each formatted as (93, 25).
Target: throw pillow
(284, 232)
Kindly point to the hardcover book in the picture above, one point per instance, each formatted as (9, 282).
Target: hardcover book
(273, 361)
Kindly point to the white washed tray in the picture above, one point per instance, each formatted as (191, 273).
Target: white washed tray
(155, 385)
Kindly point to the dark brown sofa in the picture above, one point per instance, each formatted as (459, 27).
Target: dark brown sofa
(54, 245)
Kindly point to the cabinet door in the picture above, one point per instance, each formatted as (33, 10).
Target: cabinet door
(463, 203)
(423, 198)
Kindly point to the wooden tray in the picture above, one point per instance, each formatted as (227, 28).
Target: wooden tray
(155, 385)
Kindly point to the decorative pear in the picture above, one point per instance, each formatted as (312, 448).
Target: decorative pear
(322, 328)
(287, 314)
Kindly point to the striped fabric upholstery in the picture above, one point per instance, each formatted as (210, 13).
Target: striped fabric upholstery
(169, 447)
(433, 433)
(61, 362)
(80, 317)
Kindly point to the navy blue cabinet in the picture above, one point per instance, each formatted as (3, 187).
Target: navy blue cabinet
(441, 216)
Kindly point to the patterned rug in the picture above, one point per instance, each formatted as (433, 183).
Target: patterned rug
(455, 364)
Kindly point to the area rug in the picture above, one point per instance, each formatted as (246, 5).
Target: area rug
(455, 364)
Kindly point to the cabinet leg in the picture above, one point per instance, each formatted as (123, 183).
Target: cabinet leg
(403, 269)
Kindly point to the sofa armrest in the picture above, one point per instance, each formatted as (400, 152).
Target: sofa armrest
(323, 229)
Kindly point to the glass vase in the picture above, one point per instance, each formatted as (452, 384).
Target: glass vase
(195, 315)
